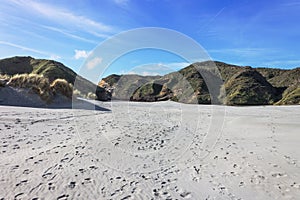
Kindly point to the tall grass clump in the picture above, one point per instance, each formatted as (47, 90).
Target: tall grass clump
(63, 87)
(91, 96)
(34, 82)
(4, 79)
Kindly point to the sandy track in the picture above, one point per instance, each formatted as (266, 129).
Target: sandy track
(150, 151)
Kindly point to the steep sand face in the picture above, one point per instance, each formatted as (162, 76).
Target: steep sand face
(162, 150)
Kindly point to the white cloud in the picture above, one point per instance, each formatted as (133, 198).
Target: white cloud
(81, 54)
(91, 64)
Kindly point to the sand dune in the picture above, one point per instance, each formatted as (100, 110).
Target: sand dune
(162, 150)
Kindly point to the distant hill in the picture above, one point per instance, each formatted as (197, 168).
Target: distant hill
(249, 87)
(291, 95)
(280, 77)
(51, 70)
(123, 86)
(242, 85)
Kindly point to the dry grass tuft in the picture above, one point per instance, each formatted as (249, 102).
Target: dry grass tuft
(5, 77)
(91, 95)
(63, 87)
(34, 82)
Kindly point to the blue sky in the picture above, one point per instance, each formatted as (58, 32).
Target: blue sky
(244, 32)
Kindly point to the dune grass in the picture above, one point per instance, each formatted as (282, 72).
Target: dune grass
(34, 82)
(41, 86)
(63, 87)
(4, 78)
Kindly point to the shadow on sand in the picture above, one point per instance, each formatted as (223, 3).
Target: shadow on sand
(82, 104)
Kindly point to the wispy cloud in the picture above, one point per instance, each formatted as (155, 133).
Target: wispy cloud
(177, 65)
(280, 63)
(54, 57)
(121, 2)
(81, 54)
(156, 68)
(243, 51)
(64, 32)
(26, 48)
(213, 18)
(65, 17)
(47, 54)
(296, 3)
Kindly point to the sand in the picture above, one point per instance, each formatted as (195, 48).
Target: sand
(162, 150)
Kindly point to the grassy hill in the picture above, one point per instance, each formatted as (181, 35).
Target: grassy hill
(249, 87)
(291, 95)
(280, 77)
(123, 86)
(51, 70)
(242, 85)
(188, 85)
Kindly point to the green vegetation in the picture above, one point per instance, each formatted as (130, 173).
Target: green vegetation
(110, 80)
(242, 85)
(151, 92)
(51, 70)
(279, 77)
(123, 86)
(249, 87)
(291, 95)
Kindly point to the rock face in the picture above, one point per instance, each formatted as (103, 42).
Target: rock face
(52, 70)
(249, 87)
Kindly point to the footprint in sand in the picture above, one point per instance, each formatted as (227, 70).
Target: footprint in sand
(72, 184)
(63, 197)
(278, 175)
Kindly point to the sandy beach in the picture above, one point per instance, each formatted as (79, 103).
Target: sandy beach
(162, 150)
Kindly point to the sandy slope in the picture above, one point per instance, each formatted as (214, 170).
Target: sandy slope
(150, 151)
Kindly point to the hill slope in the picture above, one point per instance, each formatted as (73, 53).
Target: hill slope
(249, 87)
(291, 95)
(52, 70)
(122, 87)
(243, 85)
